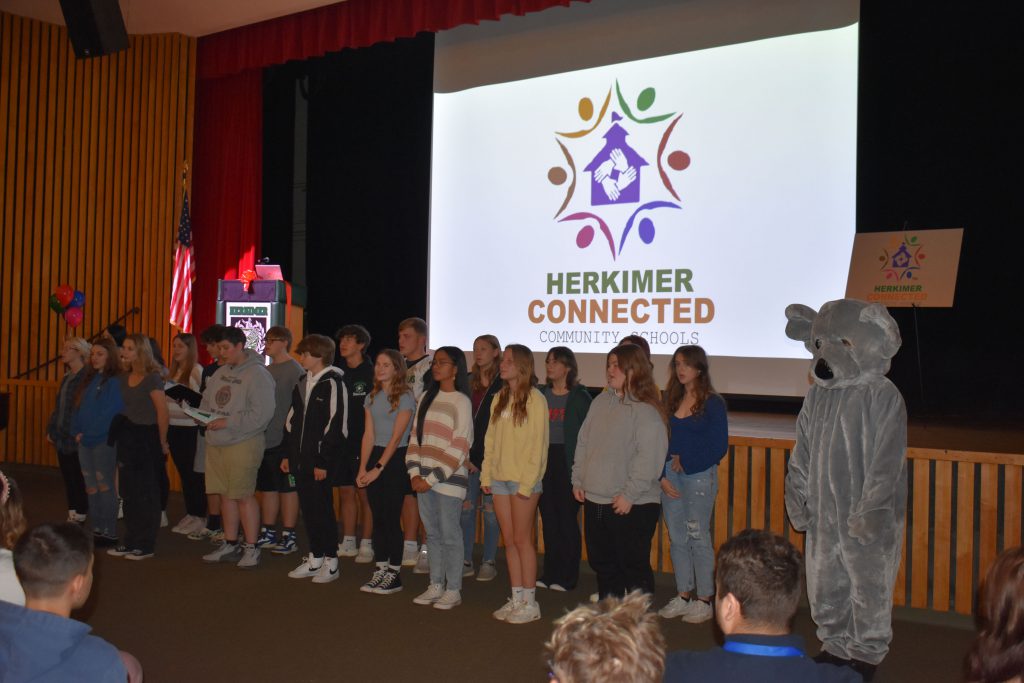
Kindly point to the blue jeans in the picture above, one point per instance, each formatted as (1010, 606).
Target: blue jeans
(98, 464)
(689, 527)
(491, 530)
(440, 515)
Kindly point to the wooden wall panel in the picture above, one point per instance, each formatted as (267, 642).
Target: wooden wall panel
(91, 153)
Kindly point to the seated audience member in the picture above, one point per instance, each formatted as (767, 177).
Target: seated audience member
(758, 584)
(12, 525)
(615, 640)
(997, 653)
(41, 641)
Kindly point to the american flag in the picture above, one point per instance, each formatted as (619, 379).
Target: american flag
(184, 273)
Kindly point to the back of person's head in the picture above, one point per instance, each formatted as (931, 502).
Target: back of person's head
(763, 572)
(638, 341)
(997, 653)
(317, 345)
(12, 516)
(212, 334)
(614, 640)
(117, 333)
(48, 557)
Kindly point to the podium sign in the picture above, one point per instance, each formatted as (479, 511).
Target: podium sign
(906, 268)
(252, 318)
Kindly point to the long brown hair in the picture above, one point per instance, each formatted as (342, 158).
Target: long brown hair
(997, 653)
(640, 384)
(476, 377)
(183, 373)
(523, 359)
(675, 392)
(398, 384)
(112, 368)
(12, 516)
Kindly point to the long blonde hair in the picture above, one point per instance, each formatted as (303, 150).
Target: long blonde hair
(517, 398)
(476, 378)
(144, 353)
(398, 384)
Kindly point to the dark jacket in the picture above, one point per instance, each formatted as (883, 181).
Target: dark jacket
(58, 427)
(576, 408)
(315, 431)
(481, 418)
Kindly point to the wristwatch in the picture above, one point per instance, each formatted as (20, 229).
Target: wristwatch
(379, 465)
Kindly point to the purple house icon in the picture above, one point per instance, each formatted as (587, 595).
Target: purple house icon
(615, 171)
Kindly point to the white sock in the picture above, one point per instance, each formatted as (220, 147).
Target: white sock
(411, 545)
(423, 548)
(332, 563)
(517, 593)
(530, 595)
(382, 565)
(349, 539)
(366, 543)
(316, 563)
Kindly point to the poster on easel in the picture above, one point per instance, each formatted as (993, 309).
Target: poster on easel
(905, 268)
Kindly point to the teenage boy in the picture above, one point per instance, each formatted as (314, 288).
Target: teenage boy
(275, 489)
(241, 393)
(757, 584)
(316, 427)
(353, 341)
(40, 640)
(412, 344)
(214, 529)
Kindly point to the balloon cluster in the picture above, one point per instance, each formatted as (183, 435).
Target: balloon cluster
(69, 303)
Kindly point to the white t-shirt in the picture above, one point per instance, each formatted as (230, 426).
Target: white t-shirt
(10, 588)
(416, 372)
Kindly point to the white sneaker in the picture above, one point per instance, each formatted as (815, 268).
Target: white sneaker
(540, 584)
(310, 567)
(365, 555)
(503, 612)
(409, 555)
(329, 571)
(250, 557)
(487, 571)
(184, 525)
(120, 508)
(198, 524)
(449, 600)
(524, 613)
(595, 597)
(430, 596)
(467, 569)
(75, 517)
(699, 612)
(348, 548)
(676, 607)
(225, 552)
(557, 587)
(163, 519)
(422, 562)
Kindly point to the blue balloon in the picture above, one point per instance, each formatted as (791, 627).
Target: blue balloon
(78, 300)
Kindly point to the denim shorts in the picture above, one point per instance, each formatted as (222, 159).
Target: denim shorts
(511, 488)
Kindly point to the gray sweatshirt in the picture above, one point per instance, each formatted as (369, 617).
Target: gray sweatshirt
(621, 449)
(242, 393)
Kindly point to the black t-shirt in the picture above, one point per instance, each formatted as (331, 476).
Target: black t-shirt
(359, 383)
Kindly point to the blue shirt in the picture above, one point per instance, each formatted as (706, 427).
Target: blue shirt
(384, 418)
(39, 646)
(718, 665)
(101, 401)
(701, 440)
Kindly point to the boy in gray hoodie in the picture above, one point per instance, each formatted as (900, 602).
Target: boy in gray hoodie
(242, 393)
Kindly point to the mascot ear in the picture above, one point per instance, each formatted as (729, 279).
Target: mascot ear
(800, 320)
(879, 315)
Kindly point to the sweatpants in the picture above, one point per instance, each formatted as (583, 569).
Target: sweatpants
(386, 495)
(316, 499)
(559, 512)
(139, 462)
(619, 547)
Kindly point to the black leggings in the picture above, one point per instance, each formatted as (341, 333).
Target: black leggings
(386, 495)
(74, 482)
(183, 442)
(619, 547)
(139, 462)
(560, 513)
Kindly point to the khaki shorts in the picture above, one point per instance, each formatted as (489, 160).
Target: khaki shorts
(231, 470)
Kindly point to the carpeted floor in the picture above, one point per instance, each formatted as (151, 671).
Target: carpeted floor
(188, 621)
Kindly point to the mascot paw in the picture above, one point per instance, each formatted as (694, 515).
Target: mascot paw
(869, 526)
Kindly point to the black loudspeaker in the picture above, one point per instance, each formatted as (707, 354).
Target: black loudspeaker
(95, 27)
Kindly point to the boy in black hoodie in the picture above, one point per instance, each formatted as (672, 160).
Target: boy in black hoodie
(315, 433)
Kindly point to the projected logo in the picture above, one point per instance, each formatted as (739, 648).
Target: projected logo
(902, 259)
(620, 197)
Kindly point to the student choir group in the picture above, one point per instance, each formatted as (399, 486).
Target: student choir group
(417, 445)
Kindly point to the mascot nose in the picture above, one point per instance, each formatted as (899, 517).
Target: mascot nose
(822, 370)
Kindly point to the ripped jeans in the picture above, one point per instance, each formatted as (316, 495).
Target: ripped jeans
(689, 527)
(98, 465)
(468, 521)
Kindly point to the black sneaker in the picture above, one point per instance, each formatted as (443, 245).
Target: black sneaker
(375, 580)
(101, 540)
(391, 583)
(119, 550)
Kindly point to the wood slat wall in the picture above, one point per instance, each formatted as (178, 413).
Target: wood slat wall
(91, 154)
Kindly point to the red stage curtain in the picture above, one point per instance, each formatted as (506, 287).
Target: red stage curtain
(227, 184)
(356, 23)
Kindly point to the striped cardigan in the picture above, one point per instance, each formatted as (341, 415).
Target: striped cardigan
(447, 435)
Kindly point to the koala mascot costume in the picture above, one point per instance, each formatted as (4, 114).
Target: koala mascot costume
(847, 479)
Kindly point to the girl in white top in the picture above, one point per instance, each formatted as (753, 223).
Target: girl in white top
(12, 525)
(183, 433)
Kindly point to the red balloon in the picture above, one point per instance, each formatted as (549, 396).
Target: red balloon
(64, 295)
(73, 316)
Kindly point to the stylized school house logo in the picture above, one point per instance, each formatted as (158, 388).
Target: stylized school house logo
(903, 259)
(616, 172)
